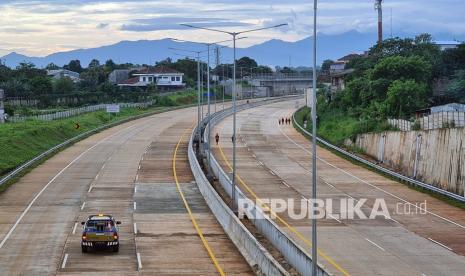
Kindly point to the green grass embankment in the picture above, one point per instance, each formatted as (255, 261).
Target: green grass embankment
(20, 142)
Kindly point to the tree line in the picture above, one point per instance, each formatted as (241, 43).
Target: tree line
(397, 77)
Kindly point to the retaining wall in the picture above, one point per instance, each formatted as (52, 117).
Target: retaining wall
(435, 156)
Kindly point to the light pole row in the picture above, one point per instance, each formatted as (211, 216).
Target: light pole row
(234, 38)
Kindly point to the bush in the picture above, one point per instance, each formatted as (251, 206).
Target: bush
(416, 125)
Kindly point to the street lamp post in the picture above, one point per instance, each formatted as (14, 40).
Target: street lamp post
(198, 88)
(314, 239)
(208, 89)
(234, 35)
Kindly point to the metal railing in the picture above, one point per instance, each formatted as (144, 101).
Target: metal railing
(74, 112)
(381, 169)
(294, 254)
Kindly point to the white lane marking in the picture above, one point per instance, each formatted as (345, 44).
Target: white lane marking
(74, 228)
(109, 158)
(7, 236)
(254, 156)
(285, 184)
(135, 189)
(371, 185)
(96, 177)
(83, 205)
(139, 262)
(135, 228)
(261, 163)
(334, 218)
(63, 265)
(375, 244)
(440, 244)
(394, 220)
(90, 189)
(135, 205)
(137, 177)
(272, 172)
(103, 167)
(138, 168)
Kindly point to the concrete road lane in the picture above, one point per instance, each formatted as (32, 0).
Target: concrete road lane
(274, 162)
(99, 175)
(166, 238)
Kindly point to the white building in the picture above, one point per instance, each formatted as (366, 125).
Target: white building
(444, 45)
(164, 77)
(63, 73)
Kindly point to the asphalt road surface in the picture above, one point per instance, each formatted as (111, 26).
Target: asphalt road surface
(274, 162)
(128, 172)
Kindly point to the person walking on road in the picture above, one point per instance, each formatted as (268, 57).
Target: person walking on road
(217, 138)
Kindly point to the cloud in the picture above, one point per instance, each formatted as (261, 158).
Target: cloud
(102, 25)
(41, 26)
(173, 23)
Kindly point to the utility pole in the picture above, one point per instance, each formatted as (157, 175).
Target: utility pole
(217, 73)
(379, 8)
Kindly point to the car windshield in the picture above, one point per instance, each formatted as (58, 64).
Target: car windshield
(100, 225)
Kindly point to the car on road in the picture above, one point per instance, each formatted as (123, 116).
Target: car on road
(100, 231)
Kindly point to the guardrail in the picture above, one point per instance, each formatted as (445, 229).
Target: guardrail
(381, 169)
(75, 111)
(294, 254)
(254, 253)
(81, 136)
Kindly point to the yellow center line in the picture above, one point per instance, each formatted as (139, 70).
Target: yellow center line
(292, 229)
(194, 221)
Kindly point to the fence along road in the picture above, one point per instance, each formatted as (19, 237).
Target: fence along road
(125, 171)
(274, 162)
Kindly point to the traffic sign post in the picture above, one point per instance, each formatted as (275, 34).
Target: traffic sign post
(113, 108)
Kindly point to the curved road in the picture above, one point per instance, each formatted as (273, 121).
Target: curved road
(274, 162)
(126, 171)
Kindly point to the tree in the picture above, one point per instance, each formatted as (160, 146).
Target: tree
(423, 38)
(94, 64)
(63, 86)
(326, 65)
(52, 66)
(246, 62)
(110, 65)
(41, 85)
(456, 90)
(74, 65)
(405, 97)
(287, 70)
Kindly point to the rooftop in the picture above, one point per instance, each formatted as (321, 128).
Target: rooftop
(159, 70)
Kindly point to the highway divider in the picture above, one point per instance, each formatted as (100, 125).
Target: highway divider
(294, 254)
(255, 254)
(379, 168)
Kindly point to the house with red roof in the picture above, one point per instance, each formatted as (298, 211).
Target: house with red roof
(163, 77)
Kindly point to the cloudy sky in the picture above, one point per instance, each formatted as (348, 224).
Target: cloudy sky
(41, 27)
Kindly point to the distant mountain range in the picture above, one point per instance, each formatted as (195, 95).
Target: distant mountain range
(273, 52)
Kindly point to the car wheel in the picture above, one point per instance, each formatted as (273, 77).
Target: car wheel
(116, 248)
(84, 249)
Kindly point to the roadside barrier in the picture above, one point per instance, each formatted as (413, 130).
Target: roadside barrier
(255, 254)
